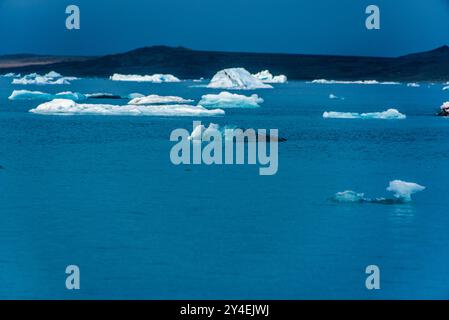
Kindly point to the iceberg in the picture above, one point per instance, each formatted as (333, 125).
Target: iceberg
(156, 99)
(229, 100)
(386, 115)
(403, 190)
(156, 78)
(402, 193)
(11, 75)
(50, 78)
(413, 85)
(237, 79)
(444, 109)
(70, 107)
(38, 95)
(324, 81)
(334, 97)
(266, 77)
(349, 196)
(446, 88)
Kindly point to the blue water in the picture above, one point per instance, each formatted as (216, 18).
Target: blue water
(101, 193)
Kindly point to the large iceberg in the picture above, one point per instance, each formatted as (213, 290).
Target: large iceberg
(386, 115)
(70, 107)
(229, 100)
(157, 78)
(156, 99)
(266, 77)
(38, 95)
(324, 81)
(237, 79)
(50, 78)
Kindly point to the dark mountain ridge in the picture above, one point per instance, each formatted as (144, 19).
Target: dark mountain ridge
(188, 64)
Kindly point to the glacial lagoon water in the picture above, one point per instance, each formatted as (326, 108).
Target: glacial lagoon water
(100, 192)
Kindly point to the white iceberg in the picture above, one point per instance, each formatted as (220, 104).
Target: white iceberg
(70, 107)
(50, 78)
(324, 81)
(237, 79)
(38, 95)
(135, 95)
(156, 78)
(386, 115)
(413, 85)
(229, 100)
(266, 77)
(334, 97)
(403, 190)
(156, 99)
(11, 75)
(444, 109)
(402, 193)
(349, 196)
(446, 88)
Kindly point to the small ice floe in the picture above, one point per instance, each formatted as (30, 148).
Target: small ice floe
(390, 114)
(324, 81)
(444, 110)
(50, 78)
(236, 79)
(11, 75)
(156, 99)
(335, 97)
(70, 107)
(201, 133)
(413, 85)
(135, 95)
(230, 100)
(38, 95)
(402, 192)
(156, 78)
(266, 77)
(446, 88)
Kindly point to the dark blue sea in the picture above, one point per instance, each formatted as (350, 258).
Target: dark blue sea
(101, 192)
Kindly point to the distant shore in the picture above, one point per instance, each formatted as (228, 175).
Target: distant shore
(191, 64)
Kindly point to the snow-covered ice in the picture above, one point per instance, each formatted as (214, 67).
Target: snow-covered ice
(156, 99)
(389, 114)
(237, 79)
(70, 107)
(156, 78)
(266, 77)
(230, 100)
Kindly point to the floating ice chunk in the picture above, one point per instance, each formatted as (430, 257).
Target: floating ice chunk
(334, 97)
(229, 100)
(402, 193)
(403, 190)
(236, 78)
(386, 115)
(413, 85)
(444, 109)
(135, 95)
(324, 81)
(50, 78)
(38, 95)
(349, 196)
(266, 77)
(11, 75)
(70, 107)
(156, 99)
(156, 78)
(446, 88)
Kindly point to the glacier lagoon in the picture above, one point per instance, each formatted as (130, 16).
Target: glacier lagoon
(100, 192)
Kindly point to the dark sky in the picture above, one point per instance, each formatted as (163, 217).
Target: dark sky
(298, 26)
